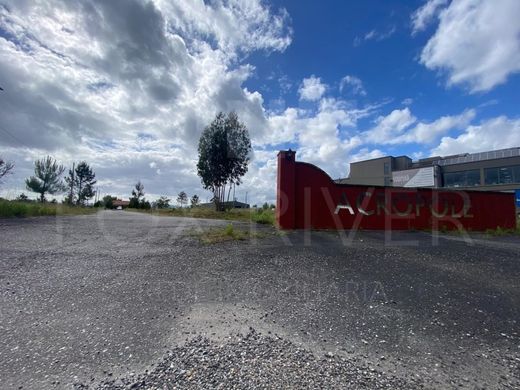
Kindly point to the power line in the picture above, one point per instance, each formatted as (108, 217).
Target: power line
(13, 137)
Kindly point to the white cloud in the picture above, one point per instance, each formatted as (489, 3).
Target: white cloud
(312, 89)
(477, 43)
(367, 154)
(354, 83)
(129, 85)
(244, 25)
(325, 137)
(496, 133)
(390, 126)
(425, 14)
(425, 133)
(407, 102)
(396, 128)
(375, 35)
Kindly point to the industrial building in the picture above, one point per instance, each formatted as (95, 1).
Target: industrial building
(497, 170)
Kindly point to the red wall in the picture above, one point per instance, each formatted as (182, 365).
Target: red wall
(308, 198)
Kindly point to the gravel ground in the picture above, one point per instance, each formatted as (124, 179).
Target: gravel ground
(120, 299)
(256, 361)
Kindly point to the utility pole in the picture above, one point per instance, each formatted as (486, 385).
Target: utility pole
(246, 197)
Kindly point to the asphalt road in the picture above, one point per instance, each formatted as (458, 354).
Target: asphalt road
(105, 297)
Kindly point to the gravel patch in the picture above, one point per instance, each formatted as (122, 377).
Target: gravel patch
(256, 361)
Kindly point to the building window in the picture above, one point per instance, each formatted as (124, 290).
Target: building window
(516, 173)
(462, 179)
(386, 168)
(502, 175)
(505, 175)
(491, 176)
(473, 178)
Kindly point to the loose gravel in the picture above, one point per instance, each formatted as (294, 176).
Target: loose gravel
(117, 298)
(256, 362)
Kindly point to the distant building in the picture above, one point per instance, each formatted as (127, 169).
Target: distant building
(497, 170)
(120, 203)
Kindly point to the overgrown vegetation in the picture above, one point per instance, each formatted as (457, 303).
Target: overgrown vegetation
(498, 232)
(223, 234)
(9, 209)
(262, 216)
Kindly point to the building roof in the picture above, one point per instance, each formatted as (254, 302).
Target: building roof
(119, 202)
(474, 157)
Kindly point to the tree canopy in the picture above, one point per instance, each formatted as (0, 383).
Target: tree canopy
(138, 191)
(6, 167)
(182, 198)
(81, 181)
(108, 201)
(47, 178)
(195, 201)
(137, 201)
(163, 202)
(224, 154)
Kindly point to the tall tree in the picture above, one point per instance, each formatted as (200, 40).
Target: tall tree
(138, 191)
(6, 167)
(182, 198)
(108, 201)
(47, 178)
(163, 202)
(71, 183)
(224, 154)
(195, 201)
(137, 194)
(81, 181)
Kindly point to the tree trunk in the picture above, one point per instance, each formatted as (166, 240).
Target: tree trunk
(71, 196)
(229, 192)
(79, 193)
(216, 198)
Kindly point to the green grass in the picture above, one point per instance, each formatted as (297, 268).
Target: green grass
(504, 232)
(498, 232)
(223, 234)
(245, 215)
(10, 209)
(266, 217)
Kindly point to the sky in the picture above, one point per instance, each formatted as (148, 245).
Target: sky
(129, 85)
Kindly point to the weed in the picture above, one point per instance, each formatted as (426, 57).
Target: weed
(11, 209)
(223, 234)
(245, 215)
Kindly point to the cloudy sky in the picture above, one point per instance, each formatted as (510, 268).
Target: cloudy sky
(129, 85)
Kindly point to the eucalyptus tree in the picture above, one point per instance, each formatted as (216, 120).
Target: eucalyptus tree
(224, 155)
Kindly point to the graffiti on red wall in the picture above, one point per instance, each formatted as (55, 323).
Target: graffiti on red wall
(308, 198)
